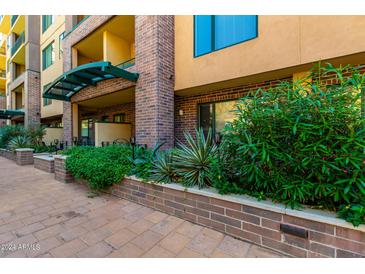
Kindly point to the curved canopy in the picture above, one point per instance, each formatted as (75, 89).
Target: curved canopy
(74, 80)
(9, 113)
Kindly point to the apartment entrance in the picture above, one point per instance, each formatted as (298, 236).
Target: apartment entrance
(106, 119)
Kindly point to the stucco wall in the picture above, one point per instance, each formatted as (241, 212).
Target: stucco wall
(283, 41)
(109, 132)
(48, 75)
(52, 134)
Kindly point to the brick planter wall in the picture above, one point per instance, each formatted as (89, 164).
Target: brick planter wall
(24, 156)
(44, 162)
(8, 154)
(259, 222)
(60, 172)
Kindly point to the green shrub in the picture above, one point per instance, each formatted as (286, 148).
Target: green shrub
(301, 144)
(142, 163)
(101, 167)
(163, 170)
(19, 142)
(193, 161)
(7, 133)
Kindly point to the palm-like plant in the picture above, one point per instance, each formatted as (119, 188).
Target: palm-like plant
(19, 142)
(163, 170)
(193, 160)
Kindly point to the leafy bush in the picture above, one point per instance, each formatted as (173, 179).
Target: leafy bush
(193, 161)
(19, 142)
(7, 133)
(142, 162)
(302, 144)
(101, 167)
(163, 170)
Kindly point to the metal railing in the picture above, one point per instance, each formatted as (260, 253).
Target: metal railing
(17, 43)
(126, 64)
(2, 73)
(13, 19)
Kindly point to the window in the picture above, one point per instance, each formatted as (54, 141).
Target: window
(85, 128)
(60, 39)
(48, 56)
(216, 115)
(46, 101)
(47, 20)
(119, 118)
(215, 32)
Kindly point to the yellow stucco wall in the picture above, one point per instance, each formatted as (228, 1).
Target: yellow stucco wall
(108, 132)
(115, 49)
(282, 42)
(52, 134)
(48, 75)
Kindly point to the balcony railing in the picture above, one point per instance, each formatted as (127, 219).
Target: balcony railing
(2, 73)
(17, 43)
(126, 64)
(13, 19)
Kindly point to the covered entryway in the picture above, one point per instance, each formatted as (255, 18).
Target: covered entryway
(100, 117)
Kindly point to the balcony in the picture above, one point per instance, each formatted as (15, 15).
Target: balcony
(2, 73)
(17, 24)
(4, 24)
(17, 50)
(112, 42)
(13, 19)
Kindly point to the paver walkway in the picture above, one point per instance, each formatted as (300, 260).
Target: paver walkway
(41, 217)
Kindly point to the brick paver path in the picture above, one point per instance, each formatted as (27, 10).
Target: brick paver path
(41, 217)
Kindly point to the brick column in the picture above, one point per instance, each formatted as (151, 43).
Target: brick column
(32, 85)
(60, 172)
(154, 99)
(24, 156)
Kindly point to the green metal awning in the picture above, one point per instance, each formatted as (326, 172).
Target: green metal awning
(71, 82)
(10, 113)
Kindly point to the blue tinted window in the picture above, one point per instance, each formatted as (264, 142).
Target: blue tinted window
(230, 30)
(203, 34)
(214, 32)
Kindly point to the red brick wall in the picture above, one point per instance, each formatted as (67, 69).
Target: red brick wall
(189, 104)
(2, 106)
(155, 86)
(32, 99)
(128, 109)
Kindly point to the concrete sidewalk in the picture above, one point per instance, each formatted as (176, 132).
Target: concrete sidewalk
(41, 217)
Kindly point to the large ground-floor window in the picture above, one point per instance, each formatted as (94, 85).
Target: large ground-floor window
(216, 115)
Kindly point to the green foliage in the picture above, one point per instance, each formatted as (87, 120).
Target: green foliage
(101, 167)
(192, 162)
(7, 133)
(301, 144)
(19, 142)
(163, 170)
(142, 164)
(36, 135)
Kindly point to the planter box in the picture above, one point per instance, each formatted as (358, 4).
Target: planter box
(24, 156)
(297, 233)
(44, 162)
(8, 154)
(60, 172)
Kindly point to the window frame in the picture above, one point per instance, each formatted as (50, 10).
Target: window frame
(60, 39)
(51, 44)
(48, 100)
(44, 26)
(214, 133)
(213, 36)
(119, 115)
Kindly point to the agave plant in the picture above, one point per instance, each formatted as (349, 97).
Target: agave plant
(19, 142)
(163, 170)
(193, 159)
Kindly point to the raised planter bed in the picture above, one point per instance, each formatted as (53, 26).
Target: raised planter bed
(44, 162)
(297, 233)
(8, 154)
